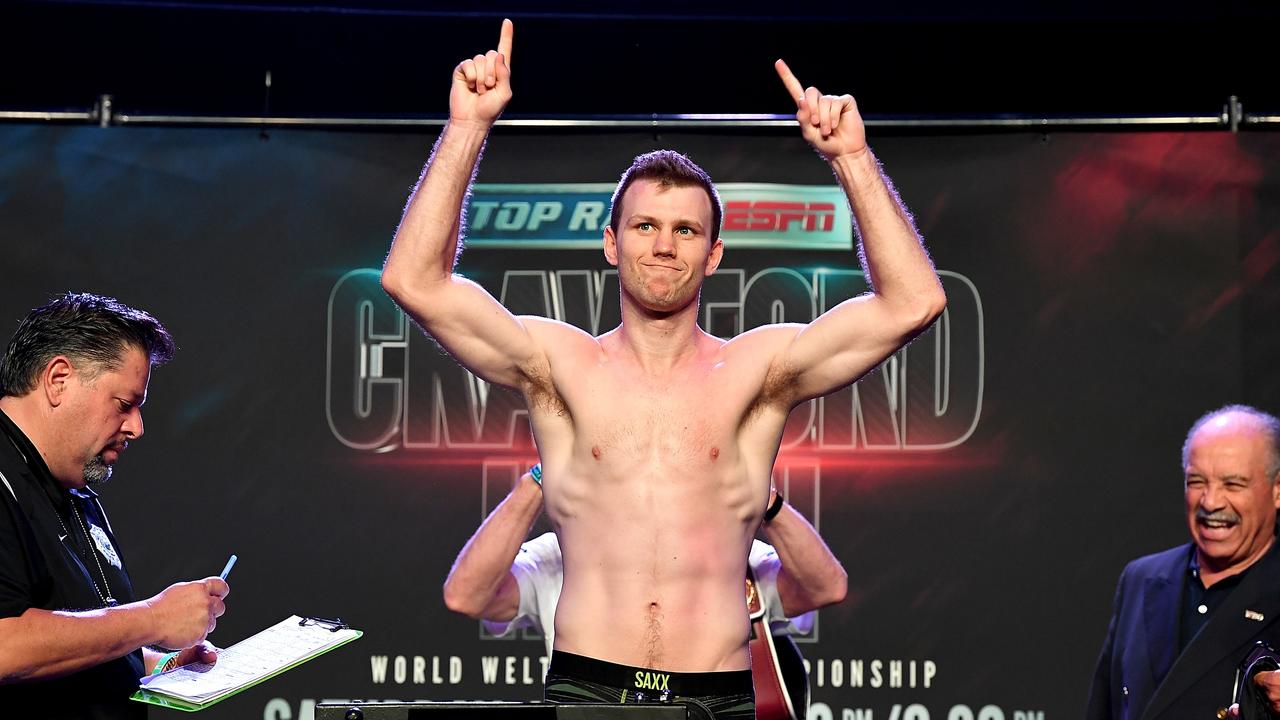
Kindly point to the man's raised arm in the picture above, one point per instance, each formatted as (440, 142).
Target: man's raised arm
(418, 273)
(852, 338)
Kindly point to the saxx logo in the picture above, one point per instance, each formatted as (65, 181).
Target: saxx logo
(390, 387)
(573, 216)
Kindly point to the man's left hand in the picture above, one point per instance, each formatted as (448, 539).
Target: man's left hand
(830, 123)
(204, 652)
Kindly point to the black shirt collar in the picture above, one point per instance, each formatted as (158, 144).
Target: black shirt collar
(35, 462)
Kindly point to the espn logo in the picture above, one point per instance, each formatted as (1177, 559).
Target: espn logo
(774, 216)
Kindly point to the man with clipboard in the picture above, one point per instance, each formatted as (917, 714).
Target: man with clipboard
(72, 637)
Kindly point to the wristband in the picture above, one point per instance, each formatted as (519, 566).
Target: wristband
(536, 472)
(774, 508)
(166, 663)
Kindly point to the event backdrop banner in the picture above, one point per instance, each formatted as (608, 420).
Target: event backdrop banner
(983, 487)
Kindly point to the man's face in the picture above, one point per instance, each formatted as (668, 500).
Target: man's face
(99, 413)
(663, 248)
(1231, 502)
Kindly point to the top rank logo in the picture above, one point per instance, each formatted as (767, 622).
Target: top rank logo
(564, 216)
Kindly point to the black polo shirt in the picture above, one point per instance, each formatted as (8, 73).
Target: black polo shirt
(1199, 602)
(51, 560)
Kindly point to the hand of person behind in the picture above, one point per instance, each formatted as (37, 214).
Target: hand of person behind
(185, 613)
(482, 85)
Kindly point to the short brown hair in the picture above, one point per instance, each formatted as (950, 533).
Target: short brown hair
(669, 169)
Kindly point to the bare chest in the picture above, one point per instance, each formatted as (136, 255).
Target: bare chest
(688, 418)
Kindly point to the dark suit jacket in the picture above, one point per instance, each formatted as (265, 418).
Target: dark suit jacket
(1141, 676)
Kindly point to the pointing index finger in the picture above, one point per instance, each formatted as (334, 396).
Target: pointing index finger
(789, 81)
(504, 40)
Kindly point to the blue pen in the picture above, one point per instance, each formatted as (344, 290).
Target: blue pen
(231, 561)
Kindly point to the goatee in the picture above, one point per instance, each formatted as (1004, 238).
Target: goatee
(96, 471)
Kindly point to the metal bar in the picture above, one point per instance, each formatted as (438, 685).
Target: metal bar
(684, 121)
(47, 116)
(255, 121)
(1047, 122)
(1234, 111)
(104, 111)
(646, 121)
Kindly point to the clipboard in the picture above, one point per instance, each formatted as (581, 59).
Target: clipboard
(256, 659)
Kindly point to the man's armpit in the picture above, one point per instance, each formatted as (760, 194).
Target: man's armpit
(778, 389)
(538, 385)
(541, 394)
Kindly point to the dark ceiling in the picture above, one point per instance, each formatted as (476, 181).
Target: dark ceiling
(924, 58)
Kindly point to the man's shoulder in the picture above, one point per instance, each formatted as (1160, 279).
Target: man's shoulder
(20, 551)
(9, 454)
(766, 337)
(1159, 562)
(557, 333)
(14, 469)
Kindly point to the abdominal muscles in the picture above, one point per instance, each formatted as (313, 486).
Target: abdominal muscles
(655, 522)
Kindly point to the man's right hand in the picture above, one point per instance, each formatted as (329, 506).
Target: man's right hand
(482, 85)
(185, 613)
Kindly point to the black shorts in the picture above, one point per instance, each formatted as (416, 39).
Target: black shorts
(577, 679)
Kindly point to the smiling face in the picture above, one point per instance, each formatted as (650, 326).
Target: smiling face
(663, 247)
(98, 411)
(1231, 498)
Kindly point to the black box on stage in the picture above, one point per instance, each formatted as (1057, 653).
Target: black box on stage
(496, 711)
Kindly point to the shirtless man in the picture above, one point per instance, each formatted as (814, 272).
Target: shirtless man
(659, 438)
